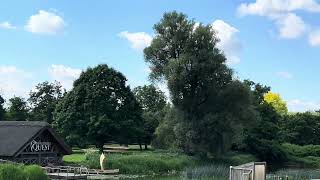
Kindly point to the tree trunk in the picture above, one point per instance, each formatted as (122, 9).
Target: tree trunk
(140, 145)
(100, 147)
(145, 146)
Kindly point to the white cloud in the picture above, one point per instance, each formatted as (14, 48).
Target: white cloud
(229, 43)
(291, 26)
(285, 75)
(273, 8)
(14, 82)
(45, 23)
(6, 25)
(138, 40)
(297, 105)
(314, 38)
(282, 12)
(65, 75)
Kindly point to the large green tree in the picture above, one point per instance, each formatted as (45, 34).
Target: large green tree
(211, 103)
(18, 109)
(43, 100)
(262, 137)
(153, 102)
(2, 110)
(100, 108)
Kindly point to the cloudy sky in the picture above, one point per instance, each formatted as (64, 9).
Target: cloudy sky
(274, 42)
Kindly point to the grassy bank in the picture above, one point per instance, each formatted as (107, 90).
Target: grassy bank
(152, 161)
(20, 172)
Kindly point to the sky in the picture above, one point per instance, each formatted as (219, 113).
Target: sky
(273, 42)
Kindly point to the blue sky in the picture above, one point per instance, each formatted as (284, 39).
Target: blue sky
(274, 42)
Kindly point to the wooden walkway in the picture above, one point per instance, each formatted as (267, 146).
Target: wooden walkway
(70, 172)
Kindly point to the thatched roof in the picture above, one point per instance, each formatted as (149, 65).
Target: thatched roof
(15, 135)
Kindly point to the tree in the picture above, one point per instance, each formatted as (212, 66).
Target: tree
(100, 108)
(18, 109)
(262, 138)
(2, 110)
(210, 103)
(43, 100)
(150, 98)
(152, 101)
(302, 128)
(276, 102)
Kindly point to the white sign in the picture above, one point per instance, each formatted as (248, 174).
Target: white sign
(39, 146)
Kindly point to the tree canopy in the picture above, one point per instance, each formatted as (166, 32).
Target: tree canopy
(276, 102)
(201, 86)
(43, 100)
(100, 108)
(17, 110)
(153, 102)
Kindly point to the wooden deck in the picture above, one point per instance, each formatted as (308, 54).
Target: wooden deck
(70, 172)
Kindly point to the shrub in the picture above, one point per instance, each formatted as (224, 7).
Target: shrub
(34, 172)
(301, 151)
(11, 172)
(92, 159)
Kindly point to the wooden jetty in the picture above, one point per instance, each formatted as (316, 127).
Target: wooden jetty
(70, 172)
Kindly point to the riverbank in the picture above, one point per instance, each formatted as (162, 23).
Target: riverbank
(152, 162)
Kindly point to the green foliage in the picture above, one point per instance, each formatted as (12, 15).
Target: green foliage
(99, 108)
(153, 102)
(305, 162)
(150, 98)
(20, 172)
(165, 137)
(210, 106)
(92, 159)
(12, 172)
(143, 162)
(262, 137)
(301, 151)
(34, 172)
(301, 128)
(17, 110)
(237, 158)
(43, 100)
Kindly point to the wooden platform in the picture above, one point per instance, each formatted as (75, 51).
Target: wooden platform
(66, 176)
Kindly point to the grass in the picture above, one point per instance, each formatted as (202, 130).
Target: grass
(77, 157)
(295, 174)
(153, 162)
(147, 163)
(213, 171)
(21, 172)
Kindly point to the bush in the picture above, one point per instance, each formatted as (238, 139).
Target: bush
(20, 172)
(236, 158)
(11, 172)
(92, 159)
(301, 151)
(34, 172)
